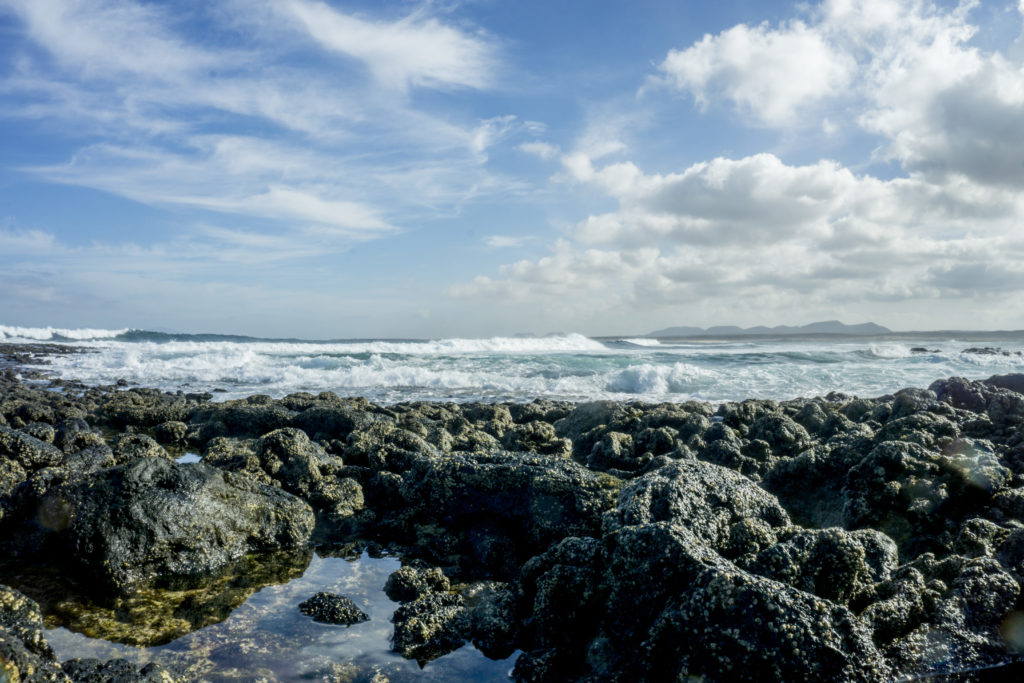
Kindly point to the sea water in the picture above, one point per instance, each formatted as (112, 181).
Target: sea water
(563, 367)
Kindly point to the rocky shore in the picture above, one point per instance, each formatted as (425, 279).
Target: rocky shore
(831, 538)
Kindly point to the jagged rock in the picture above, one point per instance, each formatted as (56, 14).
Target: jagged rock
(504, 505)
(430, 626)
(493, 618)
(155, 521)
(703, 498)
(28, 451)
(249, 417)
(412, 582)
(90, 670)
(172, 432)
(24, 653)
(832, 563)
(329, 608)
(730, 625)
(129, 447)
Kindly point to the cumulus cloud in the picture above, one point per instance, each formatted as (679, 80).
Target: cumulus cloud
(938, 104)
(770, 74)
(760, 235)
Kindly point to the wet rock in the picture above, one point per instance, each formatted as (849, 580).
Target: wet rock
(40, 430)
(1013, 382)
(289, 456)
(730, 625)
(962, 393)
(783, 435)
(24, 653)
(172, 432)
(66, 434)
(414, 581)
(146, 408)
(615, 450)
(155, 521)
(833, 563)
(336, 420)
(430, 626)
(701, 497)
(249, 417)
(129, 447)
(925, 429)
(501, 506)
(563, 586)
(236, 455)
(28, 451)
(585, 425)
(963, 627)
(383, 446)
(493, 618)
(912, 494)
(329, 608)
(91, 670)
(911, 401)
(535, 437)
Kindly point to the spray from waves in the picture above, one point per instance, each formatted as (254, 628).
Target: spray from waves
(641, 341)
(571, 343)
(55, 334)
(660, 380)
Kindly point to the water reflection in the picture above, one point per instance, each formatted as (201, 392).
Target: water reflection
(267, 637)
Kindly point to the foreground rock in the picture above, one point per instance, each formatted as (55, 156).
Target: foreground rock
(157, 523)
(835, 538)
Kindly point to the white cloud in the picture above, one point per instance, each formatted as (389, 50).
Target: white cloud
(544, 150)
(415, 51)
(328, 147)
(758, 237)
(17, 241)
(769, 74)
(505, 241)
(110, 38)
(939, 105)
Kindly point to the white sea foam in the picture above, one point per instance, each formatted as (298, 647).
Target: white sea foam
(660, 380)
(642, 341)
(571, 367)
(9, 333)
(891, 350)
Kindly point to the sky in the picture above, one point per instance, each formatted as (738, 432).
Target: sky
(335, 169)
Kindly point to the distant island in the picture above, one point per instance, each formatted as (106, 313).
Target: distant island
(825, 327)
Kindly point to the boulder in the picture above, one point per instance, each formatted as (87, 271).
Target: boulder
(328, 608)
(154, 521)
(430, 626)
(414, 581)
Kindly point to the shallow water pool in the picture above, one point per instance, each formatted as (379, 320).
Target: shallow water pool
(268, 638)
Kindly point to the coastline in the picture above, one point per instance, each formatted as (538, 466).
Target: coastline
(833, 537)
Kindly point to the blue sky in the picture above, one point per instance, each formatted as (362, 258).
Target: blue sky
(429, 169)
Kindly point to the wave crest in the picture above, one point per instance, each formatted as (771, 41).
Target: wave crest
(11, 333)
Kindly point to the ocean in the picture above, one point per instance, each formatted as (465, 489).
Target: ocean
(569, 367)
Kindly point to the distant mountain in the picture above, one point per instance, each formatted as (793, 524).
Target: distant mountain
(825, 327)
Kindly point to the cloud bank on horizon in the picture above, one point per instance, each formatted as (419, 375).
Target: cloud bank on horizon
(313, 168)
